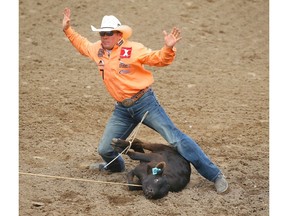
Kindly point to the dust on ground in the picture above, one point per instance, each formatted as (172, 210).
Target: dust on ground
(216, 91)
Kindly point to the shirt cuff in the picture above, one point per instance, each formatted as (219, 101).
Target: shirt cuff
(168, 49)
(68, 31)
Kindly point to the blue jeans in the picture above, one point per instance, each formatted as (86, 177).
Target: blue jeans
(124, 120)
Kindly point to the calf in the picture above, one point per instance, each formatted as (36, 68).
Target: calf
(160, 171)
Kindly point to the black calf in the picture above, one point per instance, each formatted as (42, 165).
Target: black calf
(160, 171)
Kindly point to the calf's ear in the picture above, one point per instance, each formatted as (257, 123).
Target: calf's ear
(156, 170)
(161, 165)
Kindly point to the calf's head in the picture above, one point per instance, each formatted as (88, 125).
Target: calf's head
(155, 184)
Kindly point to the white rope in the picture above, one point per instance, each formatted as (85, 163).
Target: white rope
(133, 134)
(130, 139)
(76, 179)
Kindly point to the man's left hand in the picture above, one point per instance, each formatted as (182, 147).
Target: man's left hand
(172, 38)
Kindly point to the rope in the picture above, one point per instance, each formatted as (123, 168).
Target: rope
(130, 138)
(133, 134)
(78, 179)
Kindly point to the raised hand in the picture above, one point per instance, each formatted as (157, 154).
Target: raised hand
(66, 18)
(172, 38)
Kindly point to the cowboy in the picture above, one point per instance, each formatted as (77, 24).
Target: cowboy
(120, 64)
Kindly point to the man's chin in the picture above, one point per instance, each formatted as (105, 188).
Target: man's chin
(107, 46)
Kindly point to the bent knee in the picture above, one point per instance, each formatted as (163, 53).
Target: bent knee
(103, 150)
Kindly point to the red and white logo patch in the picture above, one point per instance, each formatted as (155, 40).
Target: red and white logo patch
(125, 52)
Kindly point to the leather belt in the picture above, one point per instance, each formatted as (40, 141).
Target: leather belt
(128, 102)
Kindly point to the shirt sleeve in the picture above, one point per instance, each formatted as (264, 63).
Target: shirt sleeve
(80, 43)
(159, 58)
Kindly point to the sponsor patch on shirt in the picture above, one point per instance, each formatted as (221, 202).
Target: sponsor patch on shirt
(125, 52)
(124, 71)
(123, 65)
(120, 42)
(101, 63)
(100, 52)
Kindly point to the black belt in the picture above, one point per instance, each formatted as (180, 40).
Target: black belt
(128, 102)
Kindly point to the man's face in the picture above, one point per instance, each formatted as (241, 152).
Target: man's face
(110, 38)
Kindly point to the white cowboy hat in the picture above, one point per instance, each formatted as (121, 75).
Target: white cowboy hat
(111, 23)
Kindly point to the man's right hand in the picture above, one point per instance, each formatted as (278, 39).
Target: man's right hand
(66, 19)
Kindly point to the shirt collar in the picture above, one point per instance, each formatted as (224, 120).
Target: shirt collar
(120, 42)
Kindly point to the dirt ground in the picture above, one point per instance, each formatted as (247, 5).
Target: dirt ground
(216, 91)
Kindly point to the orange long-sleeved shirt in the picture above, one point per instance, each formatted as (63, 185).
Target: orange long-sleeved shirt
(122, 69)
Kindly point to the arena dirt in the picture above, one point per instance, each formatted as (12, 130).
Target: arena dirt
(216, 91)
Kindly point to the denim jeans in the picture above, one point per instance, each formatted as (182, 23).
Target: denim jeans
(124, 120)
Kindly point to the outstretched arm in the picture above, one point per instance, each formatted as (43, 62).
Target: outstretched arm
(66, 19)
(82, 44)
(172, 38)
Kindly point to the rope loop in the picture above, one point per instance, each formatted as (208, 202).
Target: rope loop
(130, 139)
